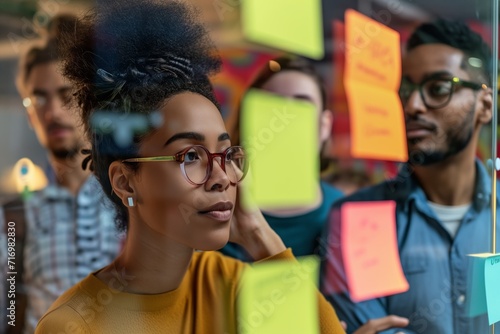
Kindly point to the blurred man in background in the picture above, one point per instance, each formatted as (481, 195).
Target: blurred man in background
(68, 227)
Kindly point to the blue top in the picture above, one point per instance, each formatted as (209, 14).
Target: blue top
(300, 233)
(435, 265)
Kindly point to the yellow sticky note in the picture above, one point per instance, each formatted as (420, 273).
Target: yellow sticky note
(281, 138)
(280, 297)
(291, 25)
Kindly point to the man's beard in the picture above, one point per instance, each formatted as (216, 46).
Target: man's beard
(457, 139)
(66, 153)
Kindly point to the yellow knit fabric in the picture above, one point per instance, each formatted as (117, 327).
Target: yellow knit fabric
(204, 303)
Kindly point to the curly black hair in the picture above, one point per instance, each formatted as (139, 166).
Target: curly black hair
(457, 35)
(130, 57)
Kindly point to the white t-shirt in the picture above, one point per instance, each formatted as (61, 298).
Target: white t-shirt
(450, 216)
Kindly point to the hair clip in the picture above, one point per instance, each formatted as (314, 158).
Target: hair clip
(87, 160)
(105, 75)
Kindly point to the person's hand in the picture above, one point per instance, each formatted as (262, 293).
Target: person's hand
(245, 221)
(376, 325)
(250, 229)
(344, 325)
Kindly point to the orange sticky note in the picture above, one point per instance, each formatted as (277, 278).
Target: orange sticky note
(372, 51)
(377, 123)
(370, 251)
(372, 77)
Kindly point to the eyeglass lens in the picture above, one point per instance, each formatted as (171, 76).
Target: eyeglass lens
(41, 100)
(434, 92)
(196, 164)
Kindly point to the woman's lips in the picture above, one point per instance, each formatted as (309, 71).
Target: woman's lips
(222, 216)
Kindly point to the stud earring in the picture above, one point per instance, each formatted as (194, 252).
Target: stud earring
(130, 201)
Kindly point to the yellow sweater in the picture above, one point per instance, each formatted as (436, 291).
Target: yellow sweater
(205, 302)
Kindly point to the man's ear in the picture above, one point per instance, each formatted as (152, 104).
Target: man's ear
(325, 125)
(485, 107)
(121, 182)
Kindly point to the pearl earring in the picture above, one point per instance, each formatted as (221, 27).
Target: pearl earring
(130, 201)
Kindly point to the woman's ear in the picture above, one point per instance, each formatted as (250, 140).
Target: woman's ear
(485, 101)
(121, 182)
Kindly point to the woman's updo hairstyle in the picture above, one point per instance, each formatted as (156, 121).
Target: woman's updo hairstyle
(126, 58)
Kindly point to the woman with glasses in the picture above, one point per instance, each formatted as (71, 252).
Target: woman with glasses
(162, 154)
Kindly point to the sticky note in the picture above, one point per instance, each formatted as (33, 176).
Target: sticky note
(491, 279)
(279, 297)
(476, 303)
(290, 25)
(483, 287)
(369, 250)
(377, 123)
(372, 75)
(373, 53)
(280, 136)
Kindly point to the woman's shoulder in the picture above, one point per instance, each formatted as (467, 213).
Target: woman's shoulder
(67, 314)
(214, 263)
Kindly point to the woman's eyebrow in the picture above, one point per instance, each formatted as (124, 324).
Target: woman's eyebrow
(224, 136)
(195, 136)
(185, 135)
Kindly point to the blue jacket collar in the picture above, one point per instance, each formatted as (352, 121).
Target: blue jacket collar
(409, 189)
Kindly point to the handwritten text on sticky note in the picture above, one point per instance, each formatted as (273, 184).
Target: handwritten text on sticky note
(369, 250)
(492, 278)
(371, 78)
(373, 52)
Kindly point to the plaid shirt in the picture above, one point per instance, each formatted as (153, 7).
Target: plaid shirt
(67, 237)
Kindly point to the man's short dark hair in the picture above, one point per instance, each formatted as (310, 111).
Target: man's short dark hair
(45, 52)
(457, 35)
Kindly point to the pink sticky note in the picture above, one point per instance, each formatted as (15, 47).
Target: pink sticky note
(370, 251)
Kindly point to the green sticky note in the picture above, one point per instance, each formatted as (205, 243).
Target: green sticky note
(279, 297)
(281, 138)
(291, 25)
(476, 289)
(491, 279)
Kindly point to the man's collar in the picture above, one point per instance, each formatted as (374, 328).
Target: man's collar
(410, 189)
